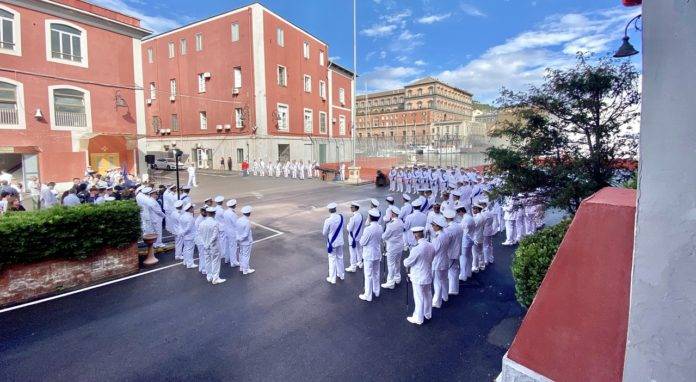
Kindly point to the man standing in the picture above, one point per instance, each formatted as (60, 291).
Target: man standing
(199, 242)
(392, 179)
(255, 168)
(455, 232)
(333, 231)
(223, 229)
(48, 198)
(175, 229)
(355, 228)
(245, 239)
(156, 217)
(415, 219)
(488, 232)
(210, 235)
(393, 236)
(441, 244)
(371, 242)
(262, 168)
(187, 231)
(479, 225)
(229, 163)
(141, 199)
(192, 175)
(406, 209)
(343, 171)
(229, 216)
(420, 261)
(509, 217)
(466, 259)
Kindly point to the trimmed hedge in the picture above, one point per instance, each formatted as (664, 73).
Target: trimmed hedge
(533, 258)
(68, 232)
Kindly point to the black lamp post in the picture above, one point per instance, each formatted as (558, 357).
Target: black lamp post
(177, 154)
(626, 49)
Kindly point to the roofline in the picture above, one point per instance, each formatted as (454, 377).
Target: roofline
(343, 69)
(382, 93)
(436, 80)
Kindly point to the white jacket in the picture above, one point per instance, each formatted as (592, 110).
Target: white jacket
(354, 228)
(187, 227)
(229, 218)
(371, 242)
(420, 260)
(393, 235)
(244, 234)
(455, 232)
(416, 219)
(441, 244)
(209, 232)
(330, 226)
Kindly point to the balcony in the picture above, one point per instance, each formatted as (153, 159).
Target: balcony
(68, 119)
(9, 117)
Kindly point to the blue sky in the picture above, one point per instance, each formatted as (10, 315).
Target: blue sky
(478, 45)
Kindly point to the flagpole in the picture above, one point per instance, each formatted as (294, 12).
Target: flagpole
(355, 71)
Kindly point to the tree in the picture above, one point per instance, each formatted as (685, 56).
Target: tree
(567, 135)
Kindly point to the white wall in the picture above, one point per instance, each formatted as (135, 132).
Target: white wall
(662, 321)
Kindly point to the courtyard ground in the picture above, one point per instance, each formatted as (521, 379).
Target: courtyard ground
(284, 322)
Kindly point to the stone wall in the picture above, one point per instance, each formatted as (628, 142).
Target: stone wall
(24, 282)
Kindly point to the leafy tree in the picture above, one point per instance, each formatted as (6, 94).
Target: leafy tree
(567, 134)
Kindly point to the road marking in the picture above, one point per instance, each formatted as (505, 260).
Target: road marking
(276, 234)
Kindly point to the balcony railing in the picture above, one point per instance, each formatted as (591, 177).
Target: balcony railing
(9, 117)
(67, 119)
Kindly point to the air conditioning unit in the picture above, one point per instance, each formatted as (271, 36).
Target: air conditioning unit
(333, 120)
(235, 91)
(172, 97)
(228, 127)
(149, 101)
(206, 75)
(219, 127)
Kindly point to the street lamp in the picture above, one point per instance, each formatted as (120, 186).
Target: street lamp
(177, 154)
(626, 49)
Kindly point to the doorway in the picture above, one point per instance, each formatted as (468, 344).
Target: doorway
(104, 162)
(283, 153)
(322, 153)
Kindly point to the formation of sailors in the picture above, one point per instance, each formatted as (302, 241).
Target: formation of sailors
(440, 240)
(288, 169)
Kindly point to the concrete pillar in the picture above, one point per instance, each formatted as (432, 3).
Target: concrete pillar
(661, 343)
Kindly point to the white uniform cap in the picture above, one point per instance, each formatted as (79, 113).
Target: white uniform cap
(457, 193)
(416, 203)
(178, 204)
(210, 209)
(187, 187)
(246, 209)
(138, 189)
(219, 199)
(109, 198)
(187, 206)
(449, 213)
(231, 202)
(395, 210)
(332, 206)
(153, 191)
(146, 190)
(478, 205)
(355, 204)
(171, 186)
(208, 200)
(389, 199)
(374, 212)
(440, 220)
(417, 229)
(406, 197)
(374, 202)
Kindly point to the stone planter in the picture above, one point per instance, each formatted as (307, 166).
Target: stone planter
(24, 282)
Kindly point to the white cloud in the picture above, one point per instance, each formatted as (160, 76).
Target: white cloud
(433, 18)
(397, 17)
(420, 62)
(157, 24)
(379, 30)
(471, 10)
(389, 77)
(383, 55)
(522, 59)
(334, 58)
(406, 35)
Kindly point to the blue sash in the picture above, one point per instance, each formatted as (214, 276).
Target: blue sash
(329, 246)
(352, 235)
(424, 207)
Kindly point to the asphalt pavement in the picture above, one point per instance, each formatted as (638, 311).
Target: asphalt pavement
(284, 322)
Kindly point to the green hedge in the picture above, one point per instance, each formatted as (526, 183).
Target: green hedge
(533, 258)
(67, 232)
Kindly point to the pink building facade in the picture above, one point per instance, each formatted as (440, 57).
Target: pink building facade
(245, 85)
(70, 74)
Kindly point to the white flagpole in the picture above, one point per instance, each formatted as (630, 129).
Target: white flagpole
(355, 71)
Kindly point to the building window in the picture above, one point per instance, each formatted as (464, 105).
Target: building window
(280, 37)
(308, 121)
(431, 90)
(67, 42)
(283, 112)
(172, 87)
(322, 122)
(170, 49)
(237, 77)
(203, 118)
(322, 89)
(305, 49)
(183, 46)
(307, 83)
(342, 125)
(153, 90)
(420, 104)
(10, 32)
(201, 82)
(156, 124)
(235, 32)
(199, 42)
(10, 97)
(430, 104)
(342, 96)
(175, 122)
(70, 107)
(150, 56)
(239, 117)
(282, 76)
(321, 57)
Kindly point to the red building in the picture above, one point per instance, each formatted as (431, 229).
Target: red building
(246, 84)
(69, 71)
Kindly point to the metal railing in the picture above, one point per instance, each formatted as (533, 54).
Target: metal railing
(68, 119)
(9, 117)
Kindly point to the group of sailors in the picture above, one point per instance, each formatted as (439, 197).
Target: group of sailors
(444, 240)
(408, 179)
(290, 169)
(212, 231)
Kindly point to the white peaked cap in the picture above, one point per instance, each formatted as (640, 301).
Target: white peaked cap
(231, 202)
(146, 190)
(355, 204)
(457, 193)
(211, 209)
(246, 209)
(109, 198)
(374, 212)
(219, 199)
(449, 213)
(440, 220)
(187, 206)
(178, 203)
(332, 206)
(374, 202)
(416, 203)
(406, 197)
(395, 210)
(138, 189)
(208, 200)
(417, 229)
(389, 199)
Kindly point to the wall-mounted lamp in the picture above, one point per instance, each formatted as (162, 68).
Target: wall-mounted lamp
(626, 49)
(38, 115)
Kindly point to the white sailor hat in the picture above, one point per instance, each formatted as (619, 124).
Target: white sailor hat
(187, 206)
(138, 189)
(406, 197)
(231, 202)
(332, 206)
(417, 229)
(171, 186)
(355, 204)
(153, 191)
(210, 209)
(457, 193)
(389, 199)
(449, 213)
(146, 190)
(416, 203)
(246, 209)
(208, 200)
(374, 202)
(178, 204)
(478, 205)
(374, 212)
(187, 187)
(109, 198)
(219, 199)
(395, 210)
(440, 220)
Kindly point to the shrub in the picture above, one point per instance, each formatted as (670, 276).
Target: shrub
(533, 258)
(68, 232)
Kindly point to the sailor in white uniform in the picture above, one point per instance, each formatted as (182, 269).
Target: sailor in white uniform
(371, 241)
(187, 231)
(455, 232)
(246, 240)
(210, 236)
(175, 230)
(229, 217)
(415, 219)
(441, 243)
(393, 237)
(420, 262)
(333, 232)
(406, 209)
(220, 218)
(198, 242)
(355, 227)
(466, 257)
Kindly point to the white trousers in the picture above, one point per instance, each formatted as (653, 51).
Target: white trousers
(520, 229)
(529, 223)
(355, 254)
(224, 246)
(408, 187)
(336, 263)
(192, 181)
(477, 251)
(422, 301)
(178, 247)
(453, 276)
(440, 287)
(488, 249)
(510, 231)
(392, 185)
(212, 264)
(157, 228)
(233, 250)
(399, 186)
(187, 249)
(371, 272)
(244, 256)
(466, 261)
(201, 258)
(394, 266)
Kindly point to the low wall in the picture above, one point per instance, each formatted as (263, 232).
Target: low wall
(23, 282)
